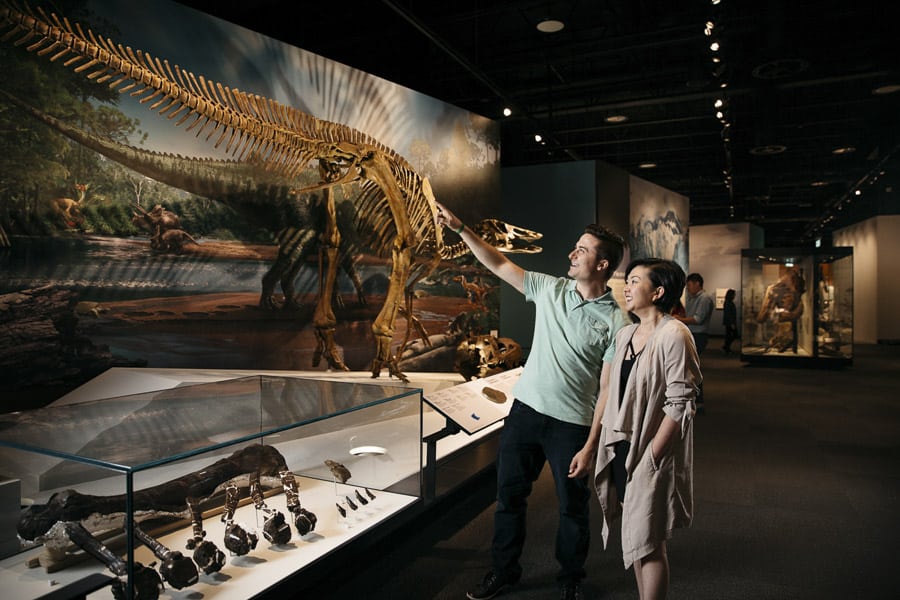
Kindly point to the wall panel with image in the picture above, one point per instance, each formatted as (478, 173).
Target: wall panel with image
(184, 223)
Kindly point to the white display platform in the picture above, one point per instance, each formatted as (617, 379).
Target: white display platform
(242, 576)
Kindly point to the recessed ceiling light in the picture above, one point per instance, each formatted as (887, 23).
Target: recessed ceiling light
(844, 150)
(616, 118)
(550, 26)
(889, 88)
(818, 183)
(507, 111)
(647, 165)
(768, 150)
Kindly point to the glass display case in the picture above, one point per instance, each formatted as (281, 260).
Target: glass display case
(797, 305)
(224, 487)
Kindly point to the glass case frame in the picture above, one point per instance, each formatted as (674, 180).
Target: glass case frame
(354, 451)
(797, 306)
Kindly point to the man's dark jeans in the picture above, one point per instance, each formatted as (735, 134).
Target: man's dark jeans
(529, 439)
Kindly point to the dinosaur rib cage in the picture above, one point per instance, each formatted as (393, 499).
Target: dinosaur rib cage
(281, 138)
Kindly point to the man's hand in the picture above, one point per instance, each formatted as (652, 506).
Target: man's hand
(582, 462)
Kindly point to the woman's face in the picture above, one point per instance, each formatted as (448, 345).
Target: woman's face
(639, 291)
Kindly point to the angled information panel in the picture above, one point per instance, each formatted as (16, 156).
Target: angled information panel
(479, 403)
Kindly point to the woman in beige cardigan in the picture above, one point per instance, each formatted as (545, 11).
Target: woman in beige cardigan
(644, 469)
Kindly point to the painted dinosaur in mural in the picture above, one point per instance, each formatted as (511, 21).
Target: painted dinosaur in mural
(269, 140)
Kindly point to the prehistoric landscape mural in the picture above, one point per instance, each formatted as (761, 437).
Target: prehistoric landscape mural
(176, 191)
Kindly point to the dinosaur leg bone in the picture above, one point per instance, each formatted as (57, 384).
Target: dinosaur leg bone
(147, 583)
(177, 569)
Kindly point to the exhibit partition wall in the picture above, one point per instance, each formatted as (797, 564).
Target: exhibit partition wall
(209, 214)
(875, 243)
(715, 253)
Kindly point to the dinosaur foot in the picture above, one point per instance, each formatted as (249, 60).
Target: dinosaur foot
(326, 347)
(392, 368)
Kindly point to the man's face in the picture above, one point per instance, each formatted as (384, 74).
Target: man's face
(584, 261)
(692, 287)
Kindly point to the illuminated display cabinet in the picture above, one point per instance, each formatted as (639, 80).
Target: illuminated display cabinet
(797, 305)
(334, 459)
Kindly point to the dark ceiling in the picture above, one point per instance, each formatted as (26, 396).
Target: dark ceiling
(800, 81)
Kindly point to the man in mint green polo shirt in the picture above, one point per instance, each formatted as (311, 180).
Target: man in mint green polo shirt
(553, 419)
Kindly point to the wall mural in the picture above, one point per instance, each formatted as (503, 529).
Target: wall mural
(177, 191)
(659, 220)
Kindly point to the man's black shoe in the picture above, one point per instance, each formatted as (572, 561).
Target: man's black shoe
(571, 590)
(492, 585)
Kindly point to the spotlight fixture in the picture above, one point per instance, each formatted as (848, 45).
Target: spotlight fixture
(616, 118)
(889, 88)
(507, 111)
(844, 150)
(538, 138)
(708, 29)
(857, 193)
(714, 46)
(647, 165)
(550, 26)
(719, 103)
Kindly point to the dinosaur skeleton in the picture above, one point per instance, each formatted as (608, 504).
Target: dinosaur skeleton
(163, 500)
(279, 140)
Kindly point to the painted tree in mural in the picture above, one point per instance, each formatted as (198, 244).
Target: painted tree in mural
(272, 147)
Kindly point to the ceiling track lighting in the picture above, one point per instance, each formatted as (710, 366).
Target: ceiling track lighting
(720, 104)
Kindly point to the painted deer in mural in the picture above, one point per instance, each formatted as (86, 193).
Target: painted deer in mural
(274, 140)
(69, 209)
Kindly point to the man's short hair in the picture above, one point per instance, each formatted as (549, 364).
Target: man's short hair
(696, 277)
(612, 246)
